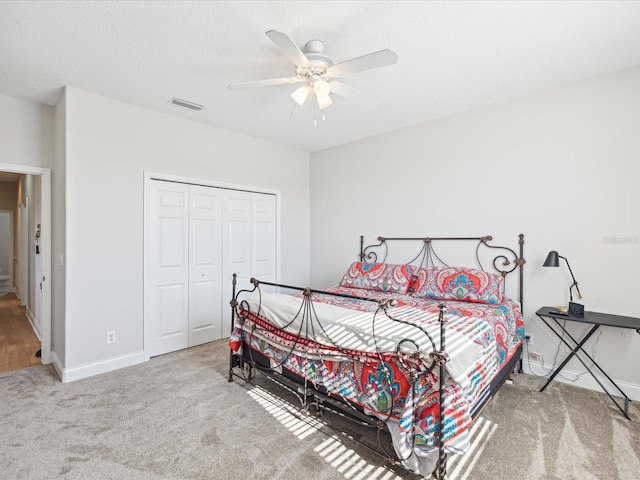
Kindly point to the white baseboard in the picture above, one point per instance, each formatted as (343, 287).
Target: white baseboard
(584, 380)
(34, 324)
(103, 366)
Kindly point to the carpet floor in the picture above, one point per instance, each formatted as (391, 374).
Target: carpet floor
(177, 417)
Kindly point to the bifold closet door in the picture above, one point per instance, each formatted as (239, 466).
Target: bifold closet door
(205, 265)
(169, 267)
(198, 237)
(186, 271)
(248, 243)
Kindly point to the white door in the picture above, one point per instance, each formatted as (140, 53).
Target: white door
(249, 243)
(236, 246)
(169, 265)
(205, 265)
(263, 237)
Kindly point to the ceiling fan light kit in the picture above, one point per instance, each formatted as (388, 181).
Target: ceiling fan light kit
(317, 71)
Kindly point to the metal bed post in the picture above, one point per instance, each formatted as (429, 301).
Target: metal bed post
(234, 304)
(521, 262)
(441, 358)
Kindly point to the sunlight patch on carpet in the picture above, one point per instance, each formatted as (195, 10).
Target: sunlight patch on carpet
(460, 466)
(332, 450)
(349, 463)
(285, 413)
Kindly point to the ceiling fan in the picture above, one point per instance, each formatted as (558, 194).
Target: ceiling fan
(317, 72)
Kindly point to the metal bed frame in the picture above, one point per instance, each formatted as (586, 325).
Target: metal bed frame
(504, 263)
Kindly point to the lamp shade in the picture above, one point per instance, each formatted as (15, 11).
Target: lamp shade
(300, 95)
(553, 259)
(324, 101)
(321, 88)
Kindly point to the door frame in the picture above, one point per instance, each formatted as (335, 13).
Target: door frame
(45, 250)
(24, 252)
(148, 177)
(10, 281)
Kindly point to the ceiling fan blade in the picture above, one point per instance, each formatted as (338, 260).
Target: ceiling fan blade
(290, 49)
(354, 95)
(264, 83)
(366, 62)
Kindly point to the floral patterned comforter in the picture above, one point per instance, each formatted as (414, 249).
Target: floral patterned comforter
(369, 357)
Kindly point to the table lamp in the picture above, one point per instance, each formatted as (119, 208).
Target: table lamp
(553, 260)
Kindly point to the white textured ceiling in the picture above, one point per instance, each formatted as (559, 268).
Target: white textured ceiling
(452, 56)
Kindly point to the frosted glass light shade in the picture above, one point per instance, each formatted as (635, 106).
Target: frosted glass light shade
(324, 101)
(300, 95)
(321, 88)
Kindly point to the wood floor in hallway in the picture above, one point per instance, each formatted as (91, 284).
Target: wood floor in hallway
(18, 341)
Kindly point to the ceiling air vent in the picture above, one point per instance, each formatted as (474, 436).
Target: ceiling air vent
(186, 104)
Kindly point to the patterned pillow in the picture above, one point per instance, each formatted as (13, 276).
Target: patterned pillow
(418, 280)
(380, 277)
(459, 283)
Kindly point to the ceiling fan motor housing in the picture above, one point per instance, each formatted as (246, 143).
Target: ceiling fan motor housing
(319, 63)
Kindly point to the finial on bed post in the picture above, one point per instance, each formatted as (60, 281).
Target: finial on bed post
(361, 248)
(385, 303)
(307, 293)
(442, 308)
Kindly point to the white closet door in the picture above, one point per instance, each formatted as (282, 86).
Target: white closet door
(263, 237)
(236, 247)
(249, 243)
(205, 265)
(198, 238)
(169, 289)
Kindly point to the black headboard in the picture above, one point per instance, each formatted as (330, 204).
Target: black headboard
(505, 261)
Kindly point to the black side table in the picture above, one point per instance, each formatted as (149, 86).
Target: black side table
(596, 319)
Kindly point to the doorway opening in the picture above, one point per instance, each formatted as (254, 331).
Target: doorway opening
(25, 293)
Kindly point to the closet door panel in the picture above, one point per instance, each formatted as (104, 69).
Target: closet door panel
(205, 265)
(263, 236)
(169, 275)
(236, 246)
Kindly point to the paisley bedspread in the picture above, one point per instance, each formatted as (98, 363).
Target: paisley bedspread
(380, 361)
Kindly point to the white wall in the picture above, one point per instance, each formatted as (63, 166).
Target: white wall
(26, 140)
(561, 167)
(109, 146)
(26, 133)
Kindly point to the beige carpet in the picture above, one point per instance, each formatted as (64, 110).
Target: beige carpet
(177, 417)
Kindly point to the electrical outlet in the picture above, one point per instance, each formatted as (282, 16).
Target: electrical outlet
(111, 336)
(529, 339)
(536, 355)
